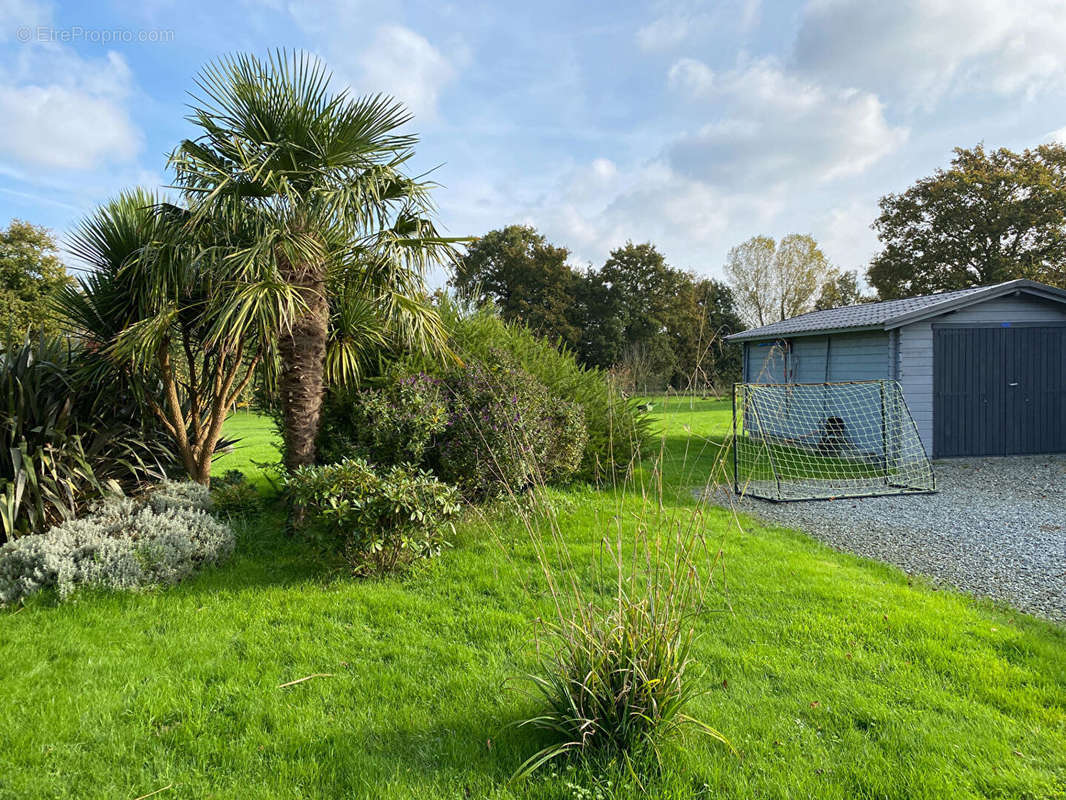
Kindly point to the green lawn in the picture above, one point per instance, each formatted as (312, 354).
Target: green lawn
(833, 676)
(256, 445)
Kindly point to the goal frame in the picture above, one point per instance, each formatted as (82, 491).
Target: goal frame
(744, 489)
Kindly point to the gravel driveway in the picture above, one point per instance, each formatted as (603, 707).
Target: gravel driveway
(996, 528)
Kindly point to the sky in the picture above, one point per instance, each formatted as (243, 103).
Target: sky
(693, 125)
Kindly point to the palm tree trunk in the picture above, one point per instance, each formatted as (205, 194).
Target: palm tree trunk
(302, 352)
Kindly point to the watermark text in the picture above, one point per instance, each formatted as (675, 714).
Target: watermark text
(76, 33)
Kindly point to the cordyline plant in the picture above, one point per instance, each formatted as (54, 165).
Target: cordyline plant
(339, 236)
(153, 301)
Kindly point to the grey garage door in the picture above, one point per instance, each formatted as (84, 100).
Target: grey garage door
(999, 391)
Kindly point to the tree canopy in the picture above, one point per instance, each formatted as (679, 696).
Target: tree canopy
(659, 324)
(31, 274)
(992, 216)
(840, 289)
(526, 276)
(772, 280)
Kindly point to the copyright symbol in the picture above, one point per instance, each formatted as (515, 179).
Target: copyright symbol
(24, 34)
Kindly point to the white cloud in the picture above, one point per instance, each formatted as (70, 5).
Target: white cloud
(1058, 136)
(60, 127)
(597, 206)
(678, 22)
(691, 75)
(846, 236)
(780, 129)
(372, 58)
(921, 49)
(664, 32)
(16, 14)
(405, 64)
(63, 111)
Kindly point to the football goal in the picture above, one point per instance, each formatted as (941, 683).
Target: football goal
(820, 441)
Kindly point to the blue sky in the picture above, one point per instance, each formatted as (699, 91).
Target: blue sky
(693, 125)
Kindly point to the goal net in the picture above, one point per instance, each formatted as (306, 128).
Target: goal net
(818, 441)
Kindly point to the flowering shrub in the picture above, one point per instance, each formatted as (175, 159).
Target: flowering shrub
(566, 447)
(618, 431)
(505, 431)
(376, 521)
(122, 544)
(395, 425)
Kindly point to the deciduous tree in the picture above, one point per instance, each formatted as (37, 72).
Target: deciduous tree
(840, 289)
(772, 281)
(527, 278)
(31, 274)
(991, 216)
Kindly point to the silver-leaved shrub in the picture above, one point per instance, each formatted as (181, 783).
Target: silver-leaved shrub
(122, 544)
(180, 494)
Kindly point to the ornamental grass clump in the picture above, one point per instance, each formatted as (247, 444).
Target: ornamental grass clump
(123, 544)
(616, 672)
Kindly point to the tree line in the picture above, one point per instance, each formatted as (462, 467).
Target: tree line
(653, 324)
(990, 216)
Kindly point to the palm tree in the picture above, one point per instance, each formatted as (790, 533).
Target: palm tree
(341, 235)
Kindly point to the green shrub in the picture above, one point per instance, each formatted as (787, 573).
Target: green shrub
(505, 432)
(566, 447)
(617, 430)
(394, 425)
(122, 544)
(233, 496)
(70, 433)
(377, 522)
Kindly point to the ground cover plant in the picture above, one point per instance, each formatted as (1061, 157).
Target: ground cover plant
(832, 676)
(123, 543)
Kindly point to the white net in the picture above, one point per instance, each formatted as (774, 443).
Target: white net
(817, 441)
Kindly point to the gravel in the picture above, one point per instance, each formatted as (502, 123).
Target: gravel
(996, 528)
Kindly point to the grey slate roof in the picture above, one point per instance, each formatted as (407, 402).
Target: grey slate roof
(892, 313)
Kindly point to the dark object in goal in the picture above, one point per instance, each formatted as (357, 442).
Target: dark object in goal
(821, 441)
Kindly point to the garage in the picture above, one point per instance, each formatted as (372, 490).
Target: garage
(999, 391)
(982, 370)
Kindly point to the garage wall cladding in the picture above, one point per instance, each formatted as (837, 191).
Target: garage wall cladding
(907, 353)
(819, 359)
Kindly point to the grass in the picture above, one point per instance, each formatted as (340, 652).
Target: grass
(255, 448)
(833, 676)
